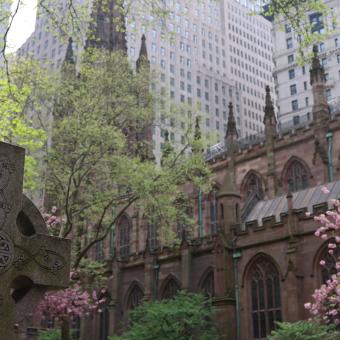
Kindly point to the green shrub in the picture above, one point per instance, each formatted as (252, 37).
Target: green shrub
(303, 330)
(51, 334)
(187, 316)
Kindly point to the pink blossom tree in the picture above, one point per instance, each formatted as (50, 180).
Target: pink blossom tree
(81, 297)
(325, 306)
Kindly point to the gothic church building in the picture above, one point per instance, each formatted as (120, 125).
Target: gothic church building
(254, 251)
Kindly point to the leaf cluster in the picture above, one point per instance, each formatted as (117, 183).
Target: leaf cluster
(187, 316)
(95, 163)
(303, 330)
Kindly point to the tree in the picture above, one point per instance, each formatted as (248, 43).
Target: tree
(303, 330)
(187, 316)
(307, 29)
(15, 126)
(97, 169)
(325, 307)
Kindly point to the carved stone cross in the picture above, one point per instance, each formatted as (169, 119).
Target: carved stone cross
(30, 261)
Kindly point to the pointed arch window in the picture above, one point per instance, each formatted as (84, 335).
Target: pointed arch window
(296, 177)
(104, 320)
(213, 212)
(208, 285)
(171, 289)
(152, 236)
(112, 241)
(124, 237)
(135, 298)
(265, 298)
(253, 187)
(100, 251)
(329, 268)
(75, 327)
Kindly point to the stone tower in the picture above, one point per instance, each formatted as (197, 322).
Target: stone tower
(107, 28)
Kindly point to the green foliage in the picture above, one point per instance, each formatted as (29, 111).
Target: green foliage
(187, 316)
(15, 126)
(303, 330)
(296, 13)
(97, 164)
(51, 334)
(92, 274)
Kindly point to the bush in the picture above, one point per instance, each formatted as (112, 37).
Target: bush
(187, 316)
(303, 330)
(51, 334)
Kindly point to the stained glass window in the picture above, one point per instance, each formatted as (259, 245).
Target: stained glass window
(296, 177)
(170, 289)
(265, 298)
(124, 237)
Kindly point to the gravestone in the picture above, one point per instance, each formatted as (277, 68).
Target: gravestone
(30, 261)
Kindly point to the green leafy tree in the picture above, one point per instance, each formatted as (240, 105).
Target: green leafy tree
(187, 316)
(15, 126)
(296, 14)
(97, 166)
(303, 330)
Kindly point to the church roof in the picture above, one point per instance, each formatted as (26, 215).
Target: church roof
(303, 199)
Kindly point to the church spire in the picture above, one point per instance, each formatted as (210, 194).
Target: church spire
(321, 114)
(167, 147)
(269, 113)
(231, 133)
(69, 57)
(197, 144)
(269, 119)
(317, 80)
(143, 59)
(231, 127)
(107, 28)
(68, 67)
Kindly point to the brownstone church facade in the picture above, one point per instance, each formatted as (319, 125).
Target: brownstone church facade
(253, 251)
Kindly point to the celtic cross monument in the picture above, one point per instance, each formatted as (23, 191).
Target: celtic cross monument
(30, 261)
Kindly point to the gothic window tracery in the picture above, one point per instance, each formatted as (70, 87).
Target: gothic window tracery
(208, 285)
(329, 268)
(124, 237)
(135, 298)
(152, 236)
(170, 290)
(265, 298)
(296, 177)
(253, 186)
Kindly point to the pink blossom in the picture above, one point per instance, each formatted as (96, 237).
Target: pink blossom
(325, 190)
(325, 306)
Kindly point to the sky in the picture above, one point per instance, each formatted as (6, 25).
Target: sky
(23, 24)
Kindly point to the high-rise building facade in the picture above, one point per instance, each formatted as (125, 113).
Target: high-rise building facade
(206, 54)
(293, 89)
(250, 63)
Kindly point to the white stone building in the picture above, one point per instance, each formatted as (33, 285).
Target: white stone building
(206, 54)
(293, 90)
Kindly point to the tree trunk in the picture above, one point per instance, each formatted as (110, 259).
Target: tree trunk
(65, 328)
